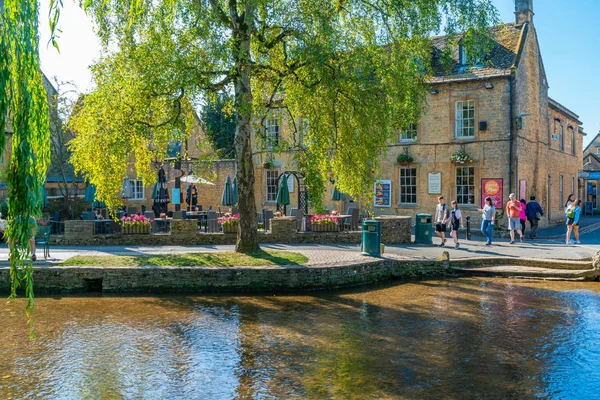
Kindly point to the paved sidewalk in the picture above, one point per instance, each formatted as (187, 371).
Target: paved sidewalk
(320, 255)
(586, 223)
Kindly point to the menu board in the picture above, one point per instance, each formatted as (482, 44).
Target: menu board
(383, 193)
(434, 183)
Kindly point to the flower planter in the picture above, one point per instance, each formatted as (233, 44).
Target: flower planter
(230, 228)
(135, 229)
(325, 227)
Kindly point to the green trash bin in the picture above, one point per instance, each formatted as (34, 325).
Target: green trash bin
(371, 238)
(423, 229)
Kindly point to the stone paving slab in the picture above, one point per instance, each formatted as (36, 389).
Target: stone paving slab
(518, 271)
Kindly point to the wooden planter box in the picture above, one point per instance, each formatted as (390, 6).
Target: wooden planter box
(324, 227)
(230, 228)
(135, 229)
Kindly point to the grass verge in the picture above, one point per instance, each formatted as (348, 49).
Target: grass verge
(217, 259)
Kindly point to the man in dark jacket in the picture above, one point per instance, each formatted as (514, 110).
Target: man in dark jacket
(533, 211)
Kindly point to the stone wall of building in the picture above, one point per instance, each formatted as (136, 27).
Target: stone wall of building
(211, 279)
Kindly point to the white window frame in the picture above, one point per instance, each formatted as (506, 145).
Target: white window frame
(273, 131)
(460, 197)
(409, 135)
(403, 184)
(137, 189)
(459, 120)
(270, 176)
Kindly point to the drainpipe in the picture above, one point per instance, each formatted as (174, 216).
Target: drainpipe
(511, 134)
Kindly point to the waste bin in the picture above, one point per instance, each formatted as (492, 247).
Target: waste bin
(371, 238)
(423, 229)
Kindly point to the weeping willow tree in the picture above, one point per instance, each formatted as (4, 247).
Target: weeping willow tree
(356, 70)
(24, 112)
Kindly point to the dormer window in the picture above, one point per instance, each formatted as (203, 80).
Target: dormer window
(466, 60)
(598, 150)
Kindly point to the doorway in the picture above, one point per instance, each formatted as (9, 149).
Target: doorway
(549, 203)
(592, 193)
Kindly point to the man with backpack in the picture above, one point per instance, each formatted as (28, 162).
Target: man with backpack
(441, 220)
(533, 212)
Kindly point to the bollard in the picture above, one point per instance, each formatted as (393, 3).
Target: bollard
(468, 228)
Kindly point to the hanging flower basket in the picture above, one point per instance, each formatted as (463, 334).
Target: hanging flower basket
(460, 158)
(268, 165)
(404, 159)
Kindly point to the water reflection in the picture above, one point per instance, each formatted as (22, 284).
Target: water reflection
(467, 338)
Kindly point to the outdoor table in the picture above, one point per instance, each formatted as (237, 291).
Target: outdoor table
(201, 217)
(102, 226)
(162, 225)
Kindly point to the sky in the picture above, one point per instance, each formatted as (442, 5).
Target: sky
(568, 32)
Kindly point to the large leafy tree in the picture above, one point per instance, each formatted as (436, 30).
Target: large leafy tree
(354, 69)
(218, 122)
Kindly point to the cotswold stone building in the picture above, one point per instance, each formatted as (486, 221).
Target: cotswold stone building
(591, 174)
(497, 115)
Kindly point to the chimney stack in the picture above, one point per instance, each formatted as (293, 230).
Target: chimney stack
(523, 11)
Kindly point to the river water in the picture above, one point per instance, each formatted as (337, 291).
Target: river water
(459, 338)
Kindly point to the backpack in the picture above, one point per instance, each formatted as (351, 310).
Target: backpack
(570, 213)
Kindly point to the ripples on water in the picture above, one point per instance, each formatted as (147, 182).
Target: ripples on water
(463, 338)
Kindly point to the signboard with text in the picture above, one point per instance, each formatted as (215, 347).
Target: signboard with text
(383, 193)
(492, 188)
(434, 183)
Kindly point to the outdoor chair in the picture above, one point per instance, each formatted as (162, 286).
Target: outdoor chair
(351, 224)
(293, 212)
(211, 220)
(299, 219)
(267, 216)
(55, 226)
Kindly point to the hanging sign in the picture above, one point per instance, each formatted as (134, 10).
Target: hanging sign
(176, 197)
(383, 193)
(434, 183)
(492, 188)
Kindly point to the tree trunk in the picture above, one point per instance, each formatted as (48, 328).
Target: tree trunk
(247, 238)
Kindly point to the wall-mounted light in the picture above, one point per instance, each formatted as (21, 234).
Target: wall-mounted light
(433, 91)
(558, 120)
(489, 85)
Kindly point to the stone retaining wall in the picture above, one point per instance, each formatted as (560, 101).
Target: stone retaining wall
(210, 279)
(394, 230)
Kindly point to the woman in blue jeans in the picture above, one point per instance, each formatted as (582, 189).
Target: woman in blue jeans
(487, 220)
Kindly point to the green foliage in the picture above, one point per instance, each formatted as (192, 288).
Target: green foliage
(23, 105)
(355, 70)
(218, 122)
(460, 157)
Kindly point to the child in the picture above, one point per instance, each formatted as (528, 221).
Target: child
(455, 217)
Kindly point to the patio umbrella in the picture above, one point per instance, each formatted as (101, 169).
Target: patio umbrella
(235, 191)
(90, 197)
(195, 179)
(283, 193)
(161, 197)
(338, 196)
(227, 199)
(44, 197)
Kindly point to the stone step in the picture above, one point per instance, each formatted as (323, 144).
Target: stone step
(519, 271)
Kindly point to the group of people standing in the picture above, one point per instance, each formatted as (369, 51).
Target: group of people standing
(517, 212)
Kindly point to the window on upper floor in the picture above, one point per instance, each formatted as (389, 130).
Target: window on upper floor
(465, 119)
(573, 142)
(561, 138)
(409, 134)
(272, 132)
(597, 150)
(136, 189)
(462, 55)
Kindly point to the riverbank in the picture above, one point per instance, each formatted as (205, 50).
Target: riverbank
(328, 267)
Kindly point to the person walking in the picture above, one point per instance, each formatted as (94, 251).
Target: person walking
(487, 220)
(513, 209)
(573, 214)
(534, 213)
(441, 219)
(455, 217)
(523, 216)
